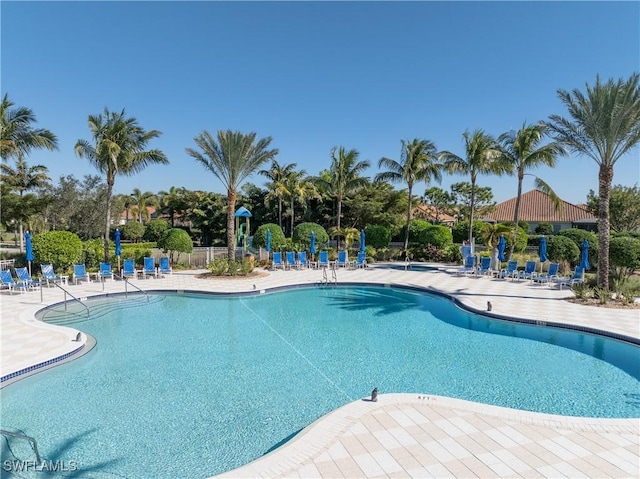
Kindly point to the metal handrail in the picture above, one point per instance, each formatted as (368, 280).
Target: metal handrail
(334, 275)
(126, 282)
(65, 297)
(34, 443)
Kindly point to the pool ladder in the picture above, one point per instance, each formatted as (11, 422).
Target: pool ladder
(29, 439)
(325, 277)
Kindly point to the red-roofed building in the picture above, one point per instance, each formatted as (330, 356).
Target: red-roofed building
(537, 207)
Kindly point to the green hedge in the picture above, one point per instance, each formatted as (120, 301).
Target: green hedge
(62, 249)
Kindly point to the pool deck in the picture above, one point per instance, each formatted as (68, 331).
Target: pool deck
(400, 435)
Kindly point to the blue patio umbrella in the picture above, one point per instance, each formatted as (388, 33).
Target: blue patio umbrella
(118, 247)
(584, 257)
(502, 244)
(542, 250)
(362, 247)
(312, 246)
(29, 249)
(268, 242)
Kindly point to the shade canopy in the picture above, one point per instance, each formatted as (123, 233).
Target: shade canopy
(362, 245)
(584, 255)
(28, 246)
(118, 246)
(312, 246)
(502, 244)
(542, 249)
(242, 212)
(268, 241)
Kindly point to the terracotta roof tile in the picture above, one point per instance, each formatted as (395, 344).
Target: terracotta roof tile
(536, 206)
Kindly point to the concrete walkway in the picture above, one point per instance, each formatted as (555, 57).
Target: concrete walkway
(401, 435)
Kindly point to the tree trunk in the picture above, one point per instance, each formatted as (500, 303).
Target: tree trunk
(231, 233)
(406, 233)
(473, 199)
(338, 215)
(280, 212)
(516, 216)
(292, 218)
(605, 177)
(110, 181)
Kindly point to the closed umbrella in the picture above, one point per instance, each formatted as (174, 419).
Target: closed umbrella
(312, 246)
(542, 251)
(29, 249)
(502, 244)
(584, 257)
(267, 245)
(118, 247)
(362, 247)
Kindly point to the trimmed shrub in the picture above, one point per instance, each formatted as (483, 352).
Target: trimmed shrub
(277, 237)
(175, 240)
(624, 256)
(155, 229)
(62, 249)
(460, 231)
(521, 241)
(377, 236)
(93, 253)
(132, 231)
(417, 231)
(438, 236)
(544, 228)
(561, 248)
(578, 236)
(302, 235)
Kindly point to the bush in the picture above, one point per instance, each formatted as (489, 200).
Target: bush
(438, 236)
(561, 248)
(521, 241)
(175, 240)
(93, 253)
(132, 231)
(417, 231)
(578, 236)
(277, 237)
(377, 236)
(624, 256)
(155, 229)
(62, 249)
(544, 228)
(452, 254)
(632, 234)
(460, 231)
(302, 235)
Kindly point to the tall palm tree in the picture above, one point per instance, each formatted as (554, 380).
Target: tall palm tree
(142, 200)
(298, 188)
(482, 157)
(119, 148)
(232, 159)
(418, 162)
(173, 202)
(24, 178)
(521, 151)
(344, 177)
(17, 136)
(276, 175)
(604, 126)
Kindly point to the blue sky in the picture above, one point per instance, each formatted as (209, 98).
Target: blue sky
(312, 76)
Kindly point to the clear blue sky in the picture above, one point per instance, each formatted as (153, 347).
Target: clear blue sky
(313, 75)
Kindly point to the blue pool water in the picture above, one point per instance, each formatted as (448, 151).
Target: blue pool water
(194, 385)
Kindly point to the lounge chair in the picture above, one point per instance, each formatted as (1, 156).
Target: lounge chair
(361, 260)
(511, 271)
(165, 266)
(485, 265)
(302, 260)
(80, 273)
(529, 270)
(9, 283)
(277, 260)
(578, 277)
(290, 258)
(323, 259)
(343, 259)
(105, 271)
(469, 266)
(549, 276)
(24, 276)
(149, 268)
(129, 269)
(50, 276)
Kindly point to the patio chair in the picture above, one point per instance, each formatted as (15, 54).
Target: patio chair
(343, 259)
(24, 276)
(469, 266)
(578, 277)
(149, 267)
(165, 266)
(303, 261)
(105, 271)
(129, 269)
(511, 271)
(529, 270)
(549, 276)
(361, 260)
(80, 273)
(277, 260)
(50, 276)
(9, 283)
(485, 266)
(323, 259)
(290, 258)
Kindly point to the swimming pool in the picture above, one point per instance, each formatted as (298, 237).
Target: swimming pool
(193, 385)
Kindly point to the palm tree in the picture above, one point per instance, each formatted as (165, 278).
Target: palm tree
(17, 136)
(142, 200)
(232, 159)
(118, 149)
(344, 177)
(173, 202)
(605, 127)
(24, 178)
(490, 234)
(418, 162)
(276, 174)
(298, 187)
(521, 151)
(482, 157)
